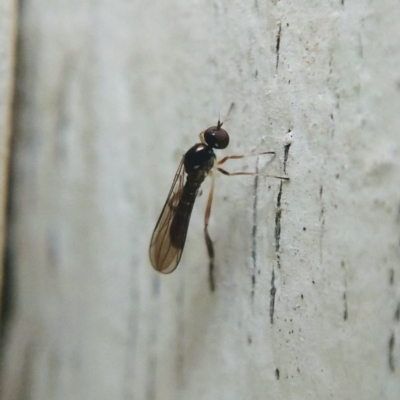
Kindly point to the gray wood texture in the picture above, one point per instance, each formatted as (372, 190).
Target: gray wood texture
(109, 96)
(7, 60)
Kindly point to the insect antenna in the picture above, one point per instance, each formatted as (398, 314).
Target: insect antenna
(226, 117)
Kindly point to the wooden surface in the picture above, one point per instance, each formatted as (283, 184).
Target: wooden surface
(7, 61)
(109, 96)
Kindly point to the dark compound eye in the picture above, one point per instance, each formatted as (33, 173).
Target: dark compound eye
(216, 137)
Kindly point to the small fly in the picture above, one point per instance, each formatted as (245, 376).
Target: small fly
(169, 235)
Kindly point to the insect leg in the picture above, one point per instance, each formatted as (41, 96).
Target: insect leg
(250, 173)
(209, 243)
(242, 156)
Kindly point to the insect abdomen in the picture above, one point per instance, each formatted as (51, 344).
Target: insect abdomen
(181, 219)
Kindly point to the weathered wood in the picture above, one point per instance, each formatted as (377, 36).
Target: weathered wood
(7, 59)
(110, 95)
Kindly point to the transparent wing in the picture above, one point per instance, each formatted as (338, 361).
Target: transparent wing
(167, 244)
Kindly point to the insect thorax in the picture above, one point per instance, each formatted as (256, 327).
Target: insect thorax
(199, 160)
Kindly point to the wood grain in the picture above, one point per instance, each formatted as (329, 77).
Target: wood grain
(7, 61)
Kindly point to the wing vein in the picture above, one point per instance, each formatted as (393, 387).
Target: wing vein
(164, 256)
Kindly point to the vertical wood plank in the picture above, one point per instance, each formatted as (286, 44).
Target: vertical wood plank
(7, 61)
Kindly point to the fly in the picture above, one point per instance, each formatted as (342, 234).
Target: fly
(169, 235)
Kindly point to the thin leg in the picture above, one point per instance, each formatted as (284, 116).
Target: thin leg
(209, 243)
(250, 173)
(242, 156)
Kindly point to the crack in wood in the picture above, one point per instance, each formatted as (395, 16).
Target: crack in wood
(278, 217)
(397, 313)
(345, 312)
(332, 125)
(254, 234)
(272, 297)
(278, 43)
(391, 351)
(285, 156)
(391, 276)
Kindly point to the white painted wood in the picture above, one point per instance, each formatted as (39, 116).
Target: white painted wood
(110, 96)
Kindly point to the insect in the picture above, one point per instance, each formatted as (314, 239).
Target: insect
(169, 235)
